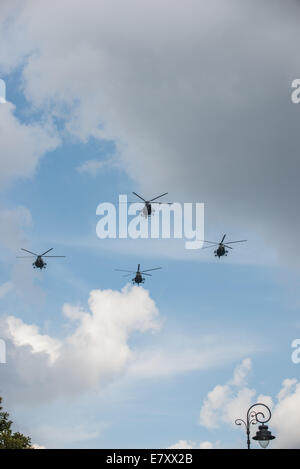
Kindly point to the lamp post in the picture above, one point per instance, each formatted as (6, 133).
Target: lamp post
(263, 435)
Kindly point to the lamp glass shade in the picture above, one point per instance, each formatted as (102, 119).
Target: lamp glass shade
(264, 443)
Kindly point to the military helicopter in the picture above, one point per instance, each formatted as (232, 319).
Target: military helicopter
(147, 210)
(138, 274)
(39, 263)
(221, 250)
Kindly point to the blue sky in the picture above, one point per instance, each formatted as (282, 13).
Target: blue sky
(204, 321)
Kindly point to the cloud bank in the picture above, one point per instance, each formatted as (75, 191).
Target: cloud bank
(22, 145)
(92, 355)
(197, 93)
(98, 346)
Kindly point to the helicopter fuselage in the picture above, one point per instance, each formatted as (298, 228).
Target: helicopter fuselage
(39, 263)
(221, 251)
(148, 209)
(138, 279)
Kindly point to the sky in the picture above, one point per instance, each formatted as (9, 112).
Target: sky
(193, 99)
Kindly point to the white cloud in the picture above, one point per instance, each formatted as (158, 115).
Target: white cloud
(184, 444)
(206, 445)
(97, 349)
(287, 387)
(22, 145)
(5, 288)
(228, 399)
(226, 403)
(96, 352)
(241, 372)
(205, 124)
(93, 167)
(193, 354)
(286, 416)
(13, 222)
(22, 334)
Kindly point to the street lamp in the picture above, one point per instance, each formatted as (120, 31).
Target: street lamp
(263, 435)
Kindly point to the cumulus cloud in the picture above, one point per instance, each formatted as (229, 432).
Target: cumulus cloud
(23, 334)
(22, 145)
(197, 93)
(286, 416)
(5, 288)
(97, 349)
(201, 353)
(224, 400)
(228, 402)
(91, 167)
(13, 221)
(94, 167)
(184, 444)
(36, 446)
(92, 355)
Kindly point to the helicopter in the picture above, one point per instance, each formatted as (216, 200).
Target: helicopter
(39, 263)
(138, 274)
(221, 250)
(147, 210)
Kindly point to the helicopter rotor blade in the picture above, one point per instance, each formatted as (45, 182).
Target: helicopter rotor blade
(139, 197)
(24, 257)
(46, 252)
(54, 256)
(149, 270)
(128, 275)
(210, 242)
(223, 238)
(129, 202)
(163, 203)
(240, 241)
(149, 275)
(158, 197)
(33, 253)
(212, 246)
(229, 247)
(122, 270)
